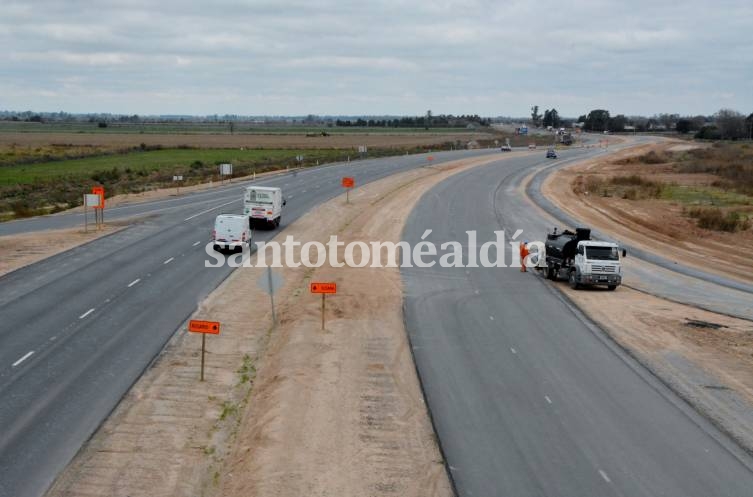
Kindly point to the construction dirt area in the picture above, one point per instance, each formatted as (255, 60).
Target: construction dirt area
(290, 410)
(706, 357)
(653, 222)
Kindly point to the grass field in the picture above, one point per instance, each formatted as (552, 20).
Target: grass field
(173, 161)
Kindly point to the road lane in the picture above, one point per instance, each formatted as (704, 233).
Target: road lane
(84, 360)
(537, 402)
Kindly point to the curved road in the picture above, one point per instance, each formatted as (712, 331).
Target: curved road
(527, 396)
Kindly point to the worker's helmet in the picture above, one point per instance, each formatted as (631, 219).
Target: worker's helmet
(525, 242)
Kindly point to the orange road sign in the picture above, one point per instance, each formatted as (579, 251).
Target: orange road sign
(99, 190)
(211, 327)
(323, 287)
(348, 182)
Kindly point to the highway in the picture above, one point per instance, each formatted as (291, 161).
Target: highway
(528, 397)
(79, 328)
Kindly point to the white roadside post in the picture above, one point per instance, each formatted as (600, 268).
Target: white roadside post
(177, 180)
(90, 200)
(226, 170)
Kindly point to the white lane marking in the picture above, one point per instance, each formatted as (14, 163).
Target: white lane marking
(604, 475)
(210, 210)
(476, 292)
(169, 260)
(28, 354)
(134, 282)
(304, 191)
(548, 399)
(82, 316)
(195, 244)
(513, 350)
(491, 318)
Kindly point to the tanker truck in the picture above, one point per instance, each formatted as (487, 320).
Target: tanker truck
(582, 261)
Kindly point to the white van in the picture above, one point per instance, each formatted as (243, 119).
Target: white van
(231, 232)
(263, 204)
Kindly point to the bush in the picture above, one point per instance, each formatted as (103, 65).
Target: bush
(717, 220)
(708, 133)
(102, 124)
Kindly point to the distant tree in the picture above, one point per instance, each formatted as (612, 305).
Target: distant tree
(535, 116)
(749, 125)
(102, 124)
(582, 119)
(731, 124)
(597, 120)
(684, 126)
(547, 120)
(427, 120)
(617, 123)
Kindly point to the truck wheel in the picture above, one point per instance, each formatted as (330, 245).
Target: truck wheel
(611, 287)
(277, 222)
(550, 274)
(573, 282)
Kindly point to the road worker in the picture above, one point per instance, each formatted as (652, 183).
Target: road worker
(523, 255)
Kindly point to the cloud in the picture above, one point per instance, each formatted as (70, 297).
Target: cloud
(385, 56)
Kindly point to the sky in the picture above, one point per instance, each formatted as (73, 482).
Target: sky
(380, 57)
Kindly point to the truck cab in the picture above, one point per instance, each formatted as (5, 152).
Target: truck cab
(263, 205)
(596, 263)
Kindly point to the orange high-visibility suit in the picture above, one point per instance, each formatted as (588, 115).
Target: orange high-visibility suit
(523, 255)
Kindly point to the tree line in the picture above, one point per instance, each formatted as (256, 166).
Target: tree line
(725, 124)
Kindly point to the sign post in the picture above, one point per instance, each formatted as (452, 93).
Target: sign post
(90, 200)
(204, 327)
(226, 170)
(324, 289)
(270, 283)
(177, 179)
(99, 216)
(348, 183)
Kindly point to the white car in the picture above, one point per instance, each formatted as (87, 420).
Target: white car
(263, 204)
(231, 232)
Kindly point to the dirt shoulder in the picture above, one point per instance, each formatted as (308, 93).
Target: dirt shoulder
(292, 410)
(652, 225)
(706, 358)
(17, 251)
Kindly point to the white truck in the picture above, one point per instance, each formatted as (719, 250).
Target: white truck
(584, 262)
(231, 232)
(263, 204)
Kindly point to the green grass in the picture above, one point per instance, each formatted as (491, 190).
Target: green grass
(177, 160)
(703, 196)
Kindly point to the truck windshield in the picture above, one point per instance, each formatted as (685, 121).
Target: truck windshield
(258, 197)
(602, 253)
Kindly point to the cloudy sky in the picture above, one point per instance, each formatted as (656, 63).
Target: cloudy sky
(378, 57)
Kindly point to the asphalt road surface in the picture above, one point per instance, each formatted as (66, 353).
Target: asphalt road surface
(79, 328)
(527, 396)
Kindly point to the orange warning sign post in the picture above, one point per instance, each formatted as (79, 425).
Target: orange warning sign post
(348, 182)
(323, 287)
(211, 327)
(205, 328)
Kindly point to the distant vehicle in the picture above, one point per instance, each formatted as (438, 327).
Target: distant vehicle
(531, 146)
(506, 148)
(551, 154)
(263, 205)
(584, 262)
(231, 232)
